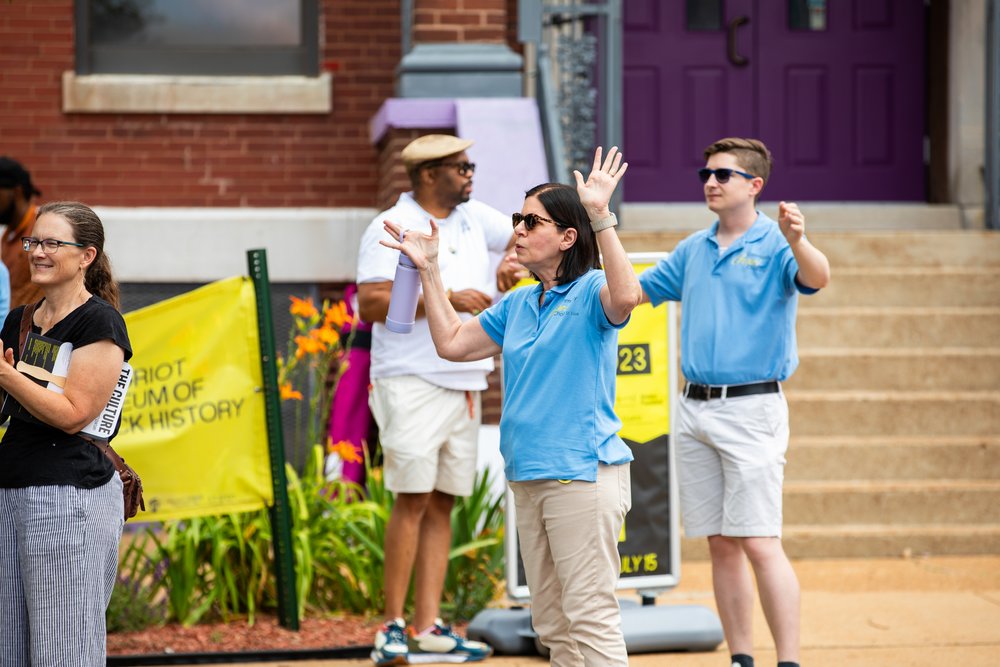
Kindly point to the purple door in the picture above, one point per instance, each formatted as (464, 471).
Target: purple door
(835, 89)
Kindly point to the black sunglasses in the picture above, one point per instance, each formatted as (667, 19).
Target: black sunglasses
(532, 220)
(722, 175)
(464, 168)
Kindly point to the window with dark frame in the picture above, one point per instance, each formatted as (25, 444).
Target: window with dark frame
(197, 37)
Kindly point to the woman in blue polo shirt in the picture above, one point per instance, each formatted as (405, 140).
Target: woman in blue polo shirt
(566, 465)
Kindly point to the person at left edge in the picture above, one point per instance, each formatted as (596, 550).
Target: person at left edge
(18, 211)
(428, 409)
(61, 513)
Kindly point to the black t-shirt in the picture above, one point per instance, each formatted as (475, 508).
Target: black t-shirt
(33, 454)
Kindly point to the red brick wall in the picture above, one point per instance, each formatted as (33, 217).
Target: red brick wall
(392, 176)
(460, 21)
(192, 159)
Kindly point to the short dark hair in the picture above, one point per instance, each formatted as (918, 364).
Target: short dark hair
(562, 203)
(751, 154)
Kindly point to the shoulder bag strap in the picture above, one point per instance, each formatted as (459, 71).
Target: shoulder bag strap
(26, 315)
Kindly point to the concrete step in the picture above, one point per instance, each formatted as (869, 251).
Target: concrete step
(873, 541)
(898, 327)
(905, 414)
(892, 502)
(897, 368)
(821, 217)
(912, 286)
(836, 457)
(908, 249)
(967, 248)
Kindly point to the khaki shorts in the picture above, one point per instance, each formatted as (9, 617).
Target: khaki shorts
(429, 435)
(731, 464)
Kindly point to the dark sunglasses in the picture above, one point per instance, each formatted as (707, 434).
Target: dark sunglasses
(722, 175)
(532, 220)
(464, 168)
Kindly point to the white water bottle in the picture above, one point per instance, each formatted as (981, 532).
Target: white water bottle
(403, 299)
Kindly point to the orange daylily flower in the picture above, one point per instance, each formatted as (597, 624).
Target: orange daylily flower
(303, 308)
(336, 315)
(307, 345)
(346, 450)
(288, 393)
(327, 335)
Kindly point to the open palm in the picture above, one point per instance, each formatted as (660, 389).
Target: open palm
(421, 248)
(595, 193)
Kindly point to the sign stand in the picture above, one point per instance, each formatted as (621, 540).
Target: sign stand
(650, 542)
(281, 518)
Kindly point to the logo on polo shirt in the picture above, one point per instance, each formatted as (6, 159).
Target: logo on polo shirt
(749, 261)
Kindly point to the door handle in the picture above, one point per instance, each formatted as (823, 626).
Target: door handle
(735, 58)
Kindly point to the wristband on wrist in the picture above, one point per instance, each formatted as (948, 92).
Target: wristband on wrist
(604, 223)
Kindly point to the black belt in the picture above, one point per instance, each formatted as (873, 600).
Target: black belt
(704, 392)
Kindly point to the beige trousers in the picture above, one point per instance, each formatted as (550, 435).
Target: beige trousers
(568, 536)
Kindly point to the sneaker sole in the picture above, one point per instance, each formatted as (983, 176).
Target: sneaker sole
(389, 662)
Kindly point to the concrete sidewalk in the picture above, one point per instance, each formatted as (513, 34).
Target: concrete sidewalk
(934, 611)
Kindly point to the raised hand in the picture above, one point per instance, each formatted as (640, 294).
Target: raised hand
(792, 222)
(421, 248)
(595, 193)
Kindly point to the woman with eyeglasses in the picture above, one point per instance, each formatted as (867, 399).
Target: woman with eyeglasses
(61, 510)
(566, 465)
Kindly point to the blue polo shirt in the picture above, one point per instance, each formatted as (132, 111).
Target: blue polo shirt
(559, 362)
(738, 320)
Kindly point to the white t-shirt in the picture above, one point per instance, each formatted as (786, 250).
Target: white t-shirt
(468, 236)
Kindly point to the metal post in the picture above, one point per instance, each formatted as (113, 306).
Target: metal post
(281, 518)
(992, 110)
(406, 25)
(612, 84)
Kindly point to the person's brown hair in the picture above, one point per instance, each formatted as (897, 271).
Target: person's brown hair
(751, 154)
(88, 230)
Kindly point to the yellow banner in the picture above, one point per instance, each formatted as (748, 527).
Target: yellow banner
(641, 399)
(193, 425)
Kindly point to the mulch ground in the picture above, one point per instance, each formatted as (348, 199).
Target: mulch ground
(264, 634)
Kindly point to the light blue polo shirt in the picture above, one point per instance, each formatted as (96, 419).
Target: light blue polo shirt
(559, 363)
(738, 316)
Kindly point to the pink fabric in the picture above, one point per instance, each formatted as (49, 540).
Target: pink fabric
(350, 418)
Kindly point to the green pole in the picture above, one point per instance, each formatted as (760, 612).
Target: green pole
(281, 517)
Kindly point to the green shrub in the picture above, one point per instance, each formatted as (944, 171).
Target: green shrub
(222, 567)
(135, 601)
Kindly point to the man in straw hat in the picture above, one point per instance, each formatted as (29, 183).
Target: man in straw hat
(427, 462)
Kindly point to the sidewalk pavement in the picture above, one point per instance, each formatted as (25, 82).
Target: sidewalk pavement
(935, 611)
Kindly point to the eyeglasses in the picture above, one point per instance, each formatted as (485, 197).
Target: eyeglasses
(49, 246)
(532, 220)
(722, 175)
(464, 168)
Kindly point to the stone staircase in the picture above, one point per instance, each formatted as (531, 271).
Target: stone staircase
(895, 407)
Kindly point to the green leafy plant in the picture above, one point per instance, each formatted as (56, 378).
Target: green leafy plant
(136, 602)
(476, 560)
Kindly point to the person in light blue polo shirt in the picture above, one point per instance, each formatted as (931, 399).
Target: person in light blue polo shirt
(739, 282)
(566, 465)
